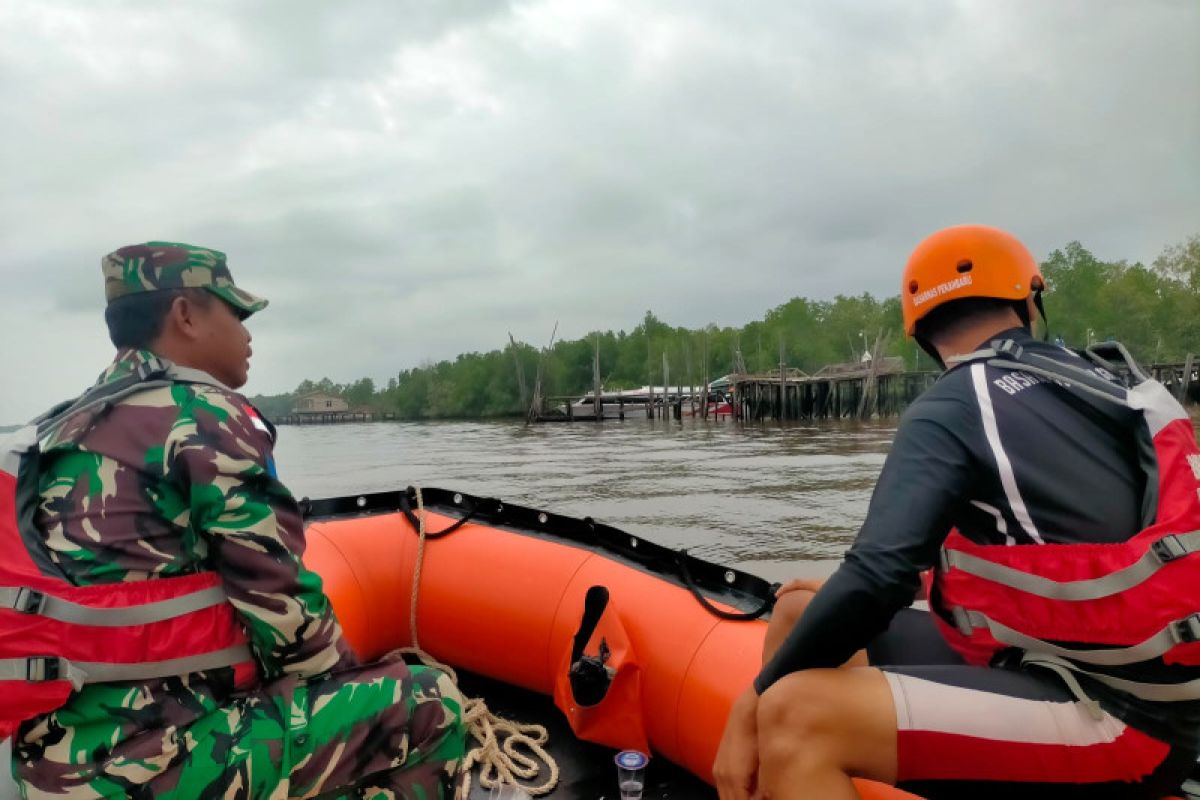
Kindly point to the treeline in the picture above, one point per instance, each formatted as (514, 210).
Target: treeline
(1154, 309)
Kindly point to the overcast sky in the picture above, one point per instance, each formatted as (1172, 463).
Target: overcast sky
(410, 180)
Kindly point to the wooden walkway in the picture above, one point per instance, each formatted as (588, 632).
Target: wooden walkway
(1183, 379)
(330, 417)
(861, 395)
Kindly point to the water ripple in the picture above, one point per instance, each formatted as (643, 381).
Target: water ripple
(739, 494)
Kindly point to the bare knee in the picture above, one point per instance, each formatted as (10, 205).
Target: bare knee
(797, 708)
(828, 720)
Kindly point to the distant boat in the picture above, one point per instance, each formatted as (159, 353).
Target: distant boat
(623, 403)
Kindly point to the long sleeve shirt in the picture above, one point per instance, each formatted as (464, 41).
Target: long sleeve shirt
(176, 480)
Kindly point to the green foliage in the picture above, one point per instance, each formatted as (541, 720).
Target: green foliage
(1155, 310)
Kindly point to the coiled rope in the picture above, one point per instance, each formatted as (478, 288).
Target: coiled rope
(497, 753)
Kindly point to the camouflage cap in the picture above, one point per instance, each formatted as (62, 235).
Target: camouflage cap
(154, 266)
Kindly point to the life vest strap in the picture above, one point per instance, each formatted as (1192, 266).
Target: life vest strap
(1182, 631)
(38, 669)
(1154, 692)
(153, 374)
(1082, 380)
(1064, 671)
(1007, 354)
(1163, 551)
(29, 601)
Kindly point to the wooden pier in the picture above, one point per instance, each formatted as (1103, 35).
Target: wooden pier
(1182, 379)
(330, 417)
(839, 392)
(862, 395)
(561, 409)
(794, 396)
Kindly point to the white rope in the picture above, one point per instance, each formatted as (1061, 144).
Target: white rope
(497, 753)
(416, 590)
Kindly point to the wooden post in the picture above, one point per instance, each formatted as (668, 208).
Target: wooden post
(868, 402)
(1185, 379)
(535, 407)
(597, 399)
(520, 372)
(687, 360)
(782, 382)
(666, 387)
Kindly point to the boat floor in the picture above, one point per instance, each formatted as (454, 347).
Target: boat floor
(586, 770)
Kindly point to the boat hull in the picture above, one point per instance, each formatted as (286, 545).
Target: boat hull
(504, 598)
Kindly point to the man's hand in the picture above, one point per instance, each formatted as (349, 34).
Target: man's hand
(800, 584)
(736, 767)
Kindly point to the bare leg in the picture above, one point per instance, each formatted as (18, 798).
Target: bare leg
(819, 728)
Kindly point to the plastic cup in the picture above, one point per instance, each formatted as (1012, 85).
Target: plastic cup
(506, 791)
(631, 773)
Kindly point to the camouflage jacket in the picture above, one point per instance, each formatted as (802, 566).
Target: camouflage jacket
(179, 479)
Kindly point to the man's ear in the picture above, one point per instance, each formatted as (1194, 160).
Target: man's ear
(182, 319)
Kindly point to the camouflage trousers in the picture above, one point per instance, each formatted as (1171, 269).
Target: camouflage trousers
(386, 730)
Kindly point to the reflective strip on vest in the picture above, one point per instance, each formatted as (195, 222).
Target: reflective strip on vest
(1157, 403)
(16, 445)
(1154, 692)
(1161, 552)
(1175, 633)
(27, 601)
(48, 668)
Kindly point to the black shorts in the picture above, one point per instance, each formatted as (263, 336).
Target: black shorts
(977, 732)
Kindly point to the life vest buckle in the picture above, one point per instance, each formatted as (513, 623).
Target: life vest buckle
(29, 601)
(1169, 548)
(1009, 348)
(150, 368)
(42, 668)
(1187, 630)
(962, 620)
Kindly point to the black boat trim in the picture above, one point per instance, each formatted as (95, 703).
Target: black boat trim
(707, 581)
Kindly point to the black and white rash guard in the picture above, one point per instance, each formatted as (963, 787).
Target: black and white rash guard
(1004, 457)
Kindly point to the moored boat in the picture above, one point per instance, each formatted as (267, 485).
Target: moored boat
(636, 403)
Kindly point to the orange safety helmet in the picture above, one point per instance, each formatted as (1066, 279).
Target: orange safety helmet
(966, 261)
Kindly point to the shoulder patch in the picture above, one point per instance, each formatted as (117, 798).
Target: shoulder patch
(255, 418)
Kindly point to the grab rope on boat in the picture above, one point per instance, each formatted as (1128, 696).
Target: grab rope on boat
(497, 753)
(685, 575)
(418, 524)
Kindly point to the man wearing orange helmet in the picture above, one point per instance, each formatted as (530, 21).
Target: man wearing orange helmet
(1057, 508)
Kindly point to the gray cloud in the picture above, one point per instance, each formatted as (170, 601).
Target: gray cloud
(407, 180)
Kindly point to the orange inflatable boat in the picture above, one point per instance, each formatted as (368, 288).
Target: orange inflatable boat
(639, 646)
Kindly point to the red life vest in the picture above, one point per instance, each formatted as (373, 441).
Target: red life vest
(56, 636)
(1094, 609)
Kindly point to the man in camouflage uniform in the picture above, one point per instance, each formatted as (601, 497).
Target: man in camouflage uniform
(180, 479)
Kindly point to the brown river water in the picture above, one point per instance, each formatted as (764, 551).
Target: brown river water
(778, 500)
